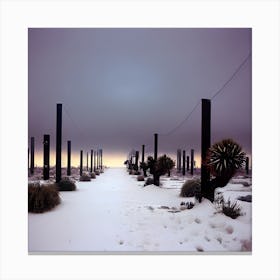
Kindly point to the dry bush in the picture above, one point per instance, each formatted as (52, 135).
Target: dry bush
(92, 175)
(140, 178)
(190, 188)
(85, 178)
(42, 198)
(66, 184)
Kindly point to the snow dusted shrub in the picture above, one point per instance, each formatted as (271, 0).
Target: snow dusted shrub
(97, 172)
(149, 181)
(231, 210)
(85, 177)
(66, 184)
(42, 198)
(92, 175)
(190, 188)
(140, 178)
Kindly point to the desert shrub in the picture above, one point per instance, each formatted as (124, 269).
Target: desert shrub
(92, 175)
(140, 178)
(232, 210)
(224, 158)
(85, 177)
(97, 172)
(149, 181)
(42, 198)
(66, 184)
(190, 188)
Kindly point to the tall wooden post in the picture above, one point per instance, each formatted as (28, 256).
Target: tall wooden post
(91, 156)
(188, 163)
(101, 159)
(94, 161)
(143, 153)
(192, 160)
(46, 168)
(32, 156)
(136, 159)
(68, 158)
(179, 160)
(81, 163)
(58, 141)
(184, 162)
(155, 146)
(247, 165)
(87, 161)
(205, 142)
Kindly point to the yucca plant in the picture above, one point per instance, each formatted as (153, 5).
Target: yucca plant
(224, 159)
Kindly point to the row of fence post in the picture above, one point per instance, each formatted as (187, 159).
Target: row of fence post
(98, 155)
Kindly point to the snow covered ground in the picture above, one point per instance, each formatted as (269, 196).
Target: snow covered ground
(115, 213)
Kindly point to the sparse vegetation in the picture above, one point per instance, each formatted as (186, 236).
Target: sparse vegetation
(231, 209)
(140, 178)
(42, 198)
(85, 177)
(66, 184)
(223, 160)
(92, 175)
(149, 181)
(190, 188)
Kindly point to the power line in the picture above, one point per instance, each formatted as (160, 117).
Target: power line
(232, 76)
(215, 94)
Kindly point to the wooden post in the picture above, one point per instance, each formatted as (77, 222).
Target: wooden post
(94, 162)
(46, 168)
(143, 153)
(81, 163)
(205, 142)
(91, 156)
(188, 163)
(192, 160)
(136, 159)
(247, 165)
(184, 162)
(155, 146)
(68, 158)
(58, 141)
(101, 159)
(32, 156)
(87, 161)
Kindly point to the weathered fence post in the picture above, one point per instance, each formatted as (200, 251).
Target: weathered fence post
(81, 163)
(188, 163)
(32, 156)
(184, 162)
(68, 158)
(91, 156)
(205, 142)
(46, 168)
(143, 153)
(247, 165)
(155, 146)
(136, 160)
(192, 160)
(87, 161)
(101, 159)
(94, 162)
(179, 160)
(58, 141)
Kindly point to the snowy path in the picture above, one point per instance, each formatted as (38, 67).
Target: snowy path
(115, 213)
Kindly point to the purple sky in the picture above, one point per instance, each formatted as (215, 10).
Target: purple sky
(120, 86)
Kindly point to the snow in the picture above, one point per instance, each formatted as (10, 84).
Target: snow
(116, 213)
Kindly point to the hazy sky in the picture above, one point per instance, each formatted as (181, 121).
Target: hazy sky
(120, 86)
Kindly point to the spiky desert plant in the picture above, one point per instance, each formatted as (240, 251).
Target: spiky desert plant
(224, 159)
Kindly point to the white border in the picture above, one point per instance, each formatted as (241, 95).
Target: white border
(17, 16)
